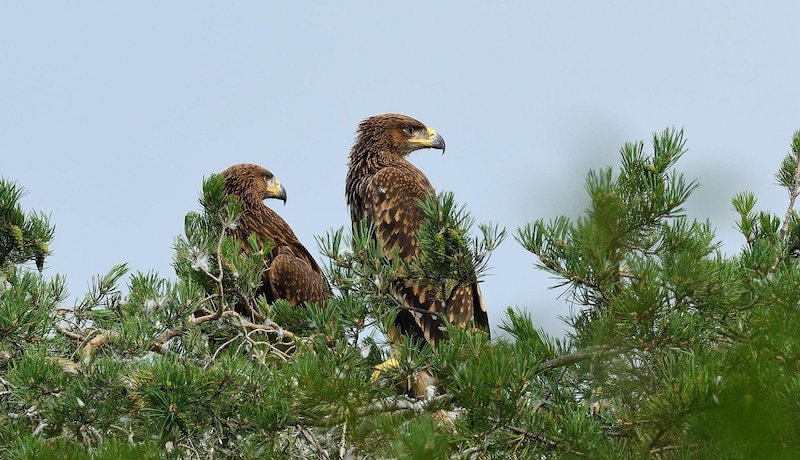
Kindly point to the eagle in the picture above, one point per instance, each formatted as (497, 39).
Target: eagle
(291, 272)
(383, 188)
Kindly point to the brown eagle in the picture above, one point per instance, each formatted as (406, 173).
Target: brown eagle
(291, 272)
(383, 188)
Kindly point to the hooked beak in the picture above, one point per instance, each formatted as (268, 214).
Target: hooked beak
(437, 141)
(276, 190)
(433, 141)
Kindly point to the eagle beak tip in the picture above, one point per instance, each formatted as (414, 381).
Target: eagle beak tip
(282, 194)
(438, 142)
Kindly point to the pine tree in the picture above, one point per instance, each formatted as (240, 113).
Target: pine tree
(675, 350)
(685, 353)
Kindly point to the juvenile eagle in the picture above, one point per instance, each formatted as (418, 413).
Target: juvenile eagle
(382, 188)
(291, 272)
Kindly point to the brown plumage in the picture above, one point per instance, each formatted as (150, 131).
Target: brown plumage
(291, 272)
(382, 187)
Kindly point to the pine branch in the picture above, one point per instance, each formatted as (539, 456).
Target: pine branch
(374, 284)
(98, 337)
(572, 358)
(350, 264)
(392, 404)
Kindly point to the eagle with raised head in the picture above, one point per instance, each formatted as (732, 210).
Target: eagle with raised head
(291, 272)
(382, 189)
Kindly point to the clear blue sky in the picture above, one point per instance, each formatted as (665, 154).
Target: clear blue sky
(111, 114)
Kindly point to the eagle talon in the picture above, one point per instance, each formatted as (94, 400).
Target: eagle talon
(389, 364)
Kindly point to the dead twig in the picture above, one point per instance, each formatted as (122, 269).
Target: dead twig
(314, 444)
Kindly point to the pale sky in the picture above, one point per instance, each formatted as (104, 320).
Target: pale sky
(111, 115)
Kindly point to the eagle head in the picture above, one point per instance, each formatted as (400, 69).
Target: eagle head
(253, 182)
(398, 133)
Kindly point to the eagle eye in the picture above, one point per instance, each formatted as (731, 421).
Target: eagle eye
(409, 130)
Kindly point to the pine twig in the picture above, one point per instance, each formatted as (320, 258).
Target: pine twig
(69, 334)
(665, 449)
(792, 197)
(524, 433)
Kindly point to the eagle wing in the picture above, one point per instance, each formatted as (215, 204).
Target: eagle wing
(391, 205)
(293, 278)
(292, 273)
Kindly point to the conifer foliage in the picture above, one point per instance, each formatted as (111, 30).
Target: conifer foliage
(675, 350)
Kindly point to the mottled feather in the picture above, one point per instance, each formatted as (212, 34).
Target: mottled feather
(383, 188)
(291, 272)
